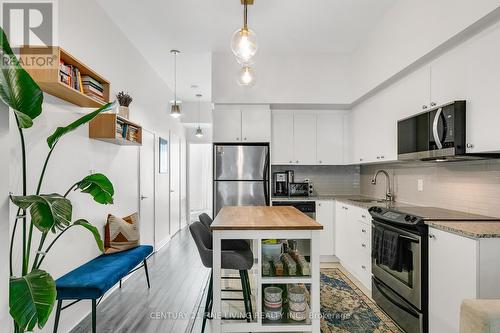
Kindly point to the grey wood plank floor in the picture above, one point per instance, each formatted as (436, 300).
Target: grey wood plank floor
(178, 281)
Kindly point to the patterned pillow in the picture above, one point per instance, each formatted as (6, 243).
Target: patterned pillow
(121, 233)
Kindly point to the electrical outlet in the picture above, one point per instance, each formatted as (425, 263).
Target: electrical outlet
(420, 185)
(306, 180)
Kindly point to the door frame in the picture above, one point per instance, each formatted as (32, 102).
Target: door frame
(154, 184)
(178, 138)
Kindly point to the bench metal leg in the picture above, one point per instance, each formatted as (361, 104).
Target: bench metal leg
(94, 314)
(120, 283)
(147, 274)
(58, 315)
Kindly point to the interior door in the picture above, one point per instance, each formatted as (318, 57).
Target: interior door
(175, 184)
(147, 188)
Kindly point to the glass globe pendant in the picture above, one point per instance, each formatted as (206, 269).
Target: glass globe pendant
(199, 132)
(246, 76)
(244, 41)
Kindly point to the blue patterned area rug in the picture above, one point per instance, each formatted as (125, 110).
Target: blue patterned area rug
(345, 308)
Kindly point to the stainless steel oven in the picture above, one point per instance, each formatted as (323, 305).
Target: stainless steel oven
(402, 293)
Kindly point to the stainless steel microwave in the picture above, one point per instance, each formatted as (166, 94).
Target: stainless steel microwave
(438, 134)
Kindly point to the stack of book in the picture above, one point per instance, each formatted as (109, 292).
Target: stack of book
(71, 76)
(93, 88)
(133, 134)
(121, 129)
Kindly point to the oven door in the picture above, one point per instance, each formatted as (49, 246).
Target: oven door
(408, 283)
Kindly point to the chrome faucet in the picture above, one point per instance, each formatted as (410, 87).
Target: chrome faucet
(389, 196)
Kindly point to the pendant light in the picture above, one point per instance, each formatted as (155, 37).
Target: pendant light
(244, 41)
(199, 132)
(246, 76)
(175, 110)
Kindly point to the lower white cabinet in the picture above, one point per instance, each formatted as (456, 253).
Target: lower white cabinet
(459, 268)
(353, 241)
(325, 215)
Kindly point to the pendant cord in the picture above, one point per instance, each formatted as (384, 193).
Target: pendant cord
(245, 20)
(175, 78)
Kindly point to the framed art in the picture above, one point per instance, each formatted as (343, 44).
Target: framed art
(163, 158)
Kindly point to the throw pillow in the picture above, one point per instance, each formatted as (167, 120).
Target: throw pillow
(121, 233)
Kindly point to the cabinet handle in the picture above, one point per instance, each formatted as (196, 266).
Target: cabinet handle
(363, 266)
(433, 104)
(424, 107)
(237, 139)
(363, 216)
(245, 139)
(382, 157)
(470, 145)
(363, 230)
(361, 160)
(320, 161)
(297, 161)
(363, 245)
(431, 236)
(291, 161)
(319, 204)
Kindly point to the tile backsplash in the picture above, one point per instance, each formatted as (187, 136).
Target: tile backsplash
(472, 186)
(327, 180)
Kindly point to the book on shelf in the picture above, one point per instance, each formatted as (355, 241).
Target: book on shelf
(90, 80)
(133, 134)
(90, 89)
(87, 83)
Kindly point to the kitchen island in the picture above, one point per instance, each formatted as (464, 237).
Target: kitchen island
(259, 223)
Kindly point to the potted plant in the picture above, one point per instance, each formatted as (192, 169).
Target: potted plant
(124, 99)
(32, 290)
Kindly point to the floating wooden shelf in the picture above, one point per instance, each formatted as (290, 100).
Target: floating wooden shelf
(43, 66)
(104, 128)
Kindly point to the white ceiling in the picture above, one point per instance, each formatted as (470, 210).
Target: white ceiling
(199, 27)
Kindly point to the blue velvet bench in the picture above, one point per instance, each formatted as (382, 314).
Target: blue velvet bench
(94, 278)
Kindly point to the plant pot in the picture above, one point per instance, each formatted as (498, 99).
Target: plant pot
(123, 111)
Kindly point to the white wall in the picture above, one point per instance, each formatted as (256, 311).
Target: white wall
(4, 217)
(200, 177)
(101, 45)
(409, 31)
(284, 78)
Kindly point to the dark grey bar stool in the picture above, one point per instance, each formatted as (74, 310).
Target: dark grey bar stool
(240, 260)
(226, 244)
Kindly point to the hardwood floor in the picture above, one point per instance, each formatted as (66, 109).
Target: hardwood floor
(178, 281)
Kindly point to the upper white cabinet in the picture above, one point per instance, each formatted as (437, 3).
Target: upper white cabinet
(325, 215)
(242, 124)
(471, 72)
(308, 137)
(304, 138)
(282, 138)
(330, 139)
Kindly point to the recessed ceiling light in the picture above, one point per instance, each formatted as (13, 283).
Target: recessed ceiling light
(194, 86)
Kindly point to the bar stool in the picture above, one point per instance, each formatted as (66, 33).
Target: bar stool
(240, 260)
(226, 244)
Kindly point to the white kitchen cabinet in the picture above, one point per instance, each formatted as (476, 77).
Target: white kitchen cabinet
(471, 72)
(459, 268)
(241, 124)
(227, 125)
(325, 215)
(304, 138)
(256, 125)
(353, 241)
(330, 139)
(282, 138)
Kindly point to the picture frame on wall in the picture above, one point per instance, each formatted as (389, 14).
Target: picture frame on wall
(163, 156)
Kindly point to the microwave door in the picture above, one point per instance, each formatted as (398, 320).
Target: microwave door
(439, 129)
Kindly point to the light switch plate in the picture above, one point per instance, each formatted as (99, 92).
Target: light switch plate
(420, 185)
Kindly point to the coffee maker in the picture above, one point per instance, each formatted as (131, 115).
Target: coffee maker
(280, 184)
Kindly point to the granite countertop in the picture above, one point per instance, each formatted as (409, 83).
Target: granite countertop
(471, 228)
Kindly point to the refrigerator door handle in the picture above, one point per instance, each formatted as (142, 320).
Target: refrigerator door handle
(265, 179)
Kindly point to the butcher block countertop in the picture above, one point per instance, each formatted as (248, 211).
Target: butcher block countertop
(263, 218)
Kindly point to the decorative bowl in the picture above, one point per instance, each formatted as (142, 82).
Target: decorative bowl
(273, 314)
(298, 316)
(272, 305)
(297, 307)
(296, 294)
(273, 294)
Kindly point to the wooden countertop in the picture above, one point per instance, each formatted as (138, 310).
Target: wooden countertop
(263, 218)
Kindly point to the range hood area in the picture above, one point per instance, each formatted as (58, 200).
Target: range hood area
(437, 135)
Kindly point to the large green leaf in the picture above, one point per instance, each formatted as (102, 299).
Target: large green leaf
(99, 187)
(47, 211)
(60, 131)
(86, 224)
(17, 89)
(31, 299)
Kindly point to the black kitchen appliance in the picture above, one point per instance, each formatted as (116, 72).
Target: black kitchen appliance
(280, 184)
(298, 189)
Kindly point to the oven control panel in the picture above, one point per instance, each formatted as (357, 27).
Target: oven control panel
(393, 216)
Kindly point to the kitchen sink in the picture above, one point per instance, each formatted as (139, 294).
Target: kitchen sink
(369, 200)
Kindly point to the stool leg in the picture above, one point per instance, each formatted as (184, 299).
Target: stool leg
(249, 288)
(208, 302)
(245, 294)
(94, 314)
(58, 314)
(147, 273)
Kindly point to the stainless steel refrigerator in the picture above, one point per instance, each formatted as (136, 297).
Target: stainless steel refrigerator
(241, 175)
